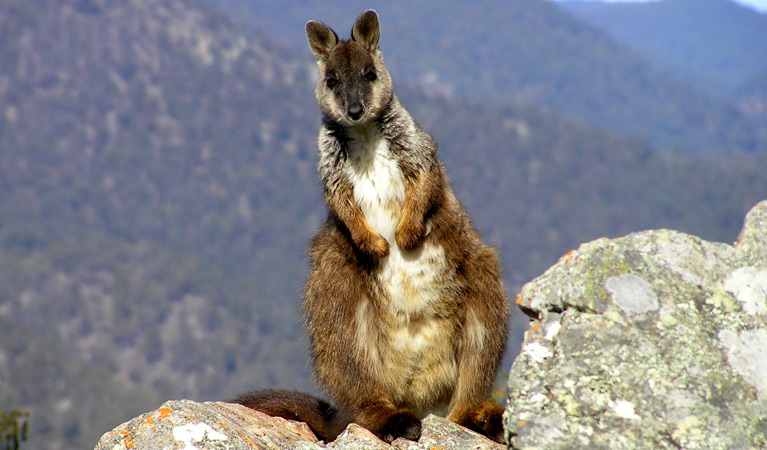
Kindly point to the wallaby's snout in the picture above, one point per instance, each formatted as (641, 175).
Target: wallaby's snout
(355, 109)
(353, 85)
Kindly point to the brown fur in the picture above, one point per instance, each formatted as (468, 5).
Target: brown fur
(361, 326)
(324, 420)
(404, 305)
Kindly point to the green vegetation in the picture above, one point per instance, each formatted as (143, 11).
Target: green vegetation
(14, 428)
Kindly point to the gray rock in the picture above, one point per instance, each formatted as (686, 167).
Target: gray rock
(184, 424)
(657, 340)
(189, 425)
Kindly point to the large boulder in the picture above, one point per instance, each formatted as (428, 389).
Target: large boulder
(184, 424)
(656, 340)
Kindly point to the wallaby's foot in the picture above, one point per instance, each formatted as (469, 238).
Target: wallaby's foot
(485, 418)
(400, 423)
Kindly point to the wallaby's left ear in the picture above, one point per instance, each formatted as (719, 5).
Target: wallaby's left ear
(321, 39)
(366, 30)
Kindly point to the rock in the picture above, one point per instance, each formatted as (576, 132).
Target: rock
(184, 424)
(439, 433)
(357, 437)
(656, 340)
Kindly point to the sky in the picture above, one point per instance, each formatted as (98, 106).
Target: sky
(759, 5)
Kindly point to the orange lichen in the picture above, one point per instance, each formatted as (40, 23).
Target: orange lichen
(567, 256)
(534, 327)
(521, 423)
(164, 412)
(519, 299)
(149, 420)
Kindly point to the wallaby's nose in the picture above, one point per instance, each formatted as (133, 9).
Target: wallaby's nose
(355, 111)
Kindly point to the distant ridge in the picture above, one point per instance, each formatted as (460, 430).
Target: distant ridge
(718, 44)
(534, 52)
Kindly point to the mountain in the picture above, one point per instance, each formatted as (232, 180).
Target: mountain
(158, 192)
(752, 96)
(717, 44)
(530, 51)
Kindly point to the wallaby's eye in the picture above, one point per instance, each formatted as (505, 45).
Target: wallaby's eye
(371, 74)
(330, 82)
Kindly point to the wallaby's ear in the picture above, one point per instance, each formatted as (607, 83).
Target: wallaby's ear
(366, 30)
(321, 38)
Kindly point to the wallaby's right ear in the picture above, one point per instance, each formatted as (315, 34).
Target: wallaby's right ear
(321, 39)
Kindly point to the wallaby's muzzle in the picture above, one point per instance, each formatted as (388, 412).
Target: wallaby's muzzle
(355, 111)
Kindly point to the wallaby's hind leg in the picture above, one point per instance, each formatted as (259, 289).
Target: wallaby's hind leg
(344, 335)
(483, 340)
(388, 422)
(485, 418)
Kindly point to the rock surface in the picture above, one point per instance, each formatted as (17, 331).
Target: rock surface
(657, 340)
(188, 425)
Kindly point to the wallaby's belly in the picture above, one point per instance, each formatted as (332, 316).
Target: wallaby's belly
(407, 338)
(416, 345)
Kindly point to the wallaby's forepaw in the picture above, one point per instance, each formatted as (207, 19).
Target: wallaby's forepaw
(375, 247)
(409, 235)
(401, 423)
(372, 245)
(485, 418)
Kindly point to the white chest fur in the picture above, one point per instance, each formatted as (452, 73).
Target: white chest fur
(378, 182)
(379, 190)
(411, 343)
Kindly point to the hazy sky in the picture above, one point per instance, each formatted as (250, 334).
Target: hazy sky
(760, 5)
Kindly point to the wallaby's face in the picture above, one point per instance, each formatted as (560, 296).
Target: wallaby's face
(353, 85)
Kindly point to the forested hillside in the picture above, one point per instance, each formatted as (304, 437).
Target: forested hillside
(158, 192)
(534, 52)
(752, 97)
(718, 44)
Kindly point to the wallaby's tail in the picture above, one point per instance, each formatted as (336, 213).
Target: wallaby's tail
(324, 420)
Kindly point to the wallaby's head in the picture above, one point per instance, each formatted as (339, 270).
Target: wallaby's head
(353, 86)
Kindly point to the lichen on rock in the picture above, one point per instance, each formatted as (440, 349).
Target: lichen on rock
(189, 425)
(184, 424)
(656, 340)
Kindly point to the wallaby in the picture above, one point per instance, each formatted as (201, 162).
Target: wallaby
(404, 306)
